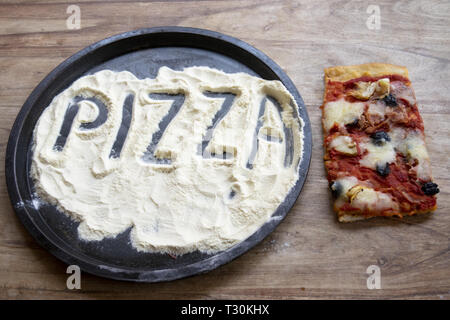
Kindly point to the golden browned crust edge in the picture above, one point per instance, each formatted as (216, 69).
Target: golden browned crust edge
(345, 73)
(347, 217)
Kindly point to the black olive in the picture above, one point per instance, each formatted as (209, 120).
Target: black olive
(430, 188)
(353, 124)
(390, 100)
(380, 138)
(383, 170)
(336, 188)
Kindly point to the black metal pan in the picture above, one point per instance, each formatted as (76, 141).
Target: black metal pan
(141, 52)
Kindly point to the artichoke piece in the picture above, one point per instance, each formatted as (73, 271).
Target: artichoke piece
(365, 90)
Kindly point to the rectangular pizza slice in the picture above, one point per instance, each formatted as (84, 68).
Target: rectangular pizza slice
(375, 154)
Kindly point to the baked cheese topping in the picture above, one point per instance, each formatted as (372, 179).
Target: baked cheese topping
(341, 112)
(377, 109)
(366, 198)
(412, 146)
(344, 144)
(361, 196)
(377, 155)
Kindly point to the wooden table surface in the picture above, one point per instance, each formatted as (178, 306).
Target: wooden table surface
(310, 255)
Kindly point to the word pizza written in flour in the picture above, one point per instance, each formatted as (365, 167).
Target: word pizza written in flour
(262, 129)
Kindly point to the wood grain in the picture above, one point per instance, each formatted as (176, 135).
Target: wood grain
(310, 255)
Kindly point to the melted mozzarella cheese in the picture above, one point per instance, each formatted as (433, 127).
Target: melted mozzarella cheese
(341, 112)
(377, 155)
(367, 198)
(377, 108)
(344, 144)
(361, 196)
(346, 183)
(412, 146)
(415, 147)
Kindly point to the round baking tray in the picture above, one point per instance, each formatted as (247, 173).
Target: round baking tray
(141, 52)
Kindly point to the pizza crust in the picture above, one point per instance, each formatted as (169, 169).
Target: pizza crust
(345, 73)
(346, 217)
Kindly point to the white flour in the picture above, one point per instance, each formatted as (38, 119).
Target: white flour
(189, 201)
